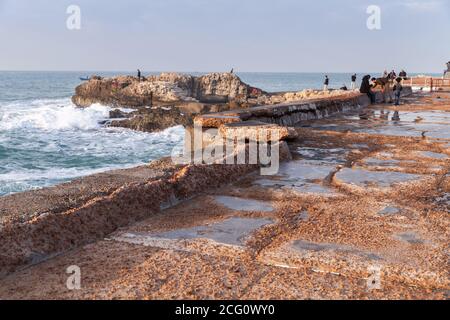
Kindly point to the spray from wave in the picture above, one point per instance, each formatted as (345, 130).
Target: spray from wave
(51, 115)
(45, 142)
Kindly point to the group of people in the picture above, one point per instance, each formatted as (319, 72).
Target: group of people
(390, 84)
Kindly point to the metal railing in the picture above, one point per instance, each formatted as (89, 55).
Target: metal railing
(429, 82)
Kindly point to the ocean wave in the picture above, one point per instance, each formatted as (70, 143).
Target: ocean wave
(46, 142)
(51, 115)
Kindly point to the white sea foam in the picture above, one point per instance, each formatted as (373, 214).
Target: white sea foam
(51, 115)
(44, 142)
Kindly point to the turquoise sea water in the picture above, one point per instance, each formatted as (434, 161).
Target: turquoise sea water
(45, 139)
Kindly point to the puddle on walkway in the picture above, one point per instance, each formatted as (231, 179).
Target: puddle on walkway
(410, 237)
(232, 232)
(359, 146)
(301, 176)
(382, 179)
(433, 155)
(389, 210)
(305, 246)
(325, 156)
(381, 163)
(409, 124)
(426, 116)
(240, 204)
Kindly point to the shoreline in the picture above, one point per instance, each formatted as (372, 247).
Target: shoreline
(122, 209)
(298, 245)
(52, 212)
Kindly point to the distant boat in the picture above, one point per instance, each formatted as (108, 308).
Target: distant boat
(85, 79)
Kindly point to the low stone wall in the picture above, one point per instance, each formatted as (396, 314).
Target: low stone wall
(37, 233)
(290, 114)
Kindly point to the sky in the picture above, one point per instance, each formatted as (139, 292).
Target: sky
(217, 35)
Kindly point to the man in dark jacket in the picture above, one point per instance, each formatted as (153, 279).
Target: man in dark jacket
(353, 87)
(367, 88)
(326, 83)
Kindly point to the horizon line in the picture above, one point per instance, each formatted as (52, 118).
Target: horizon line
(237, 72)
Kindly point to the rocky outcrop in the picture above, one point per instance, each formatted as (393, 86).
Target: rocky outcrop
(167, 88)
(155, 119)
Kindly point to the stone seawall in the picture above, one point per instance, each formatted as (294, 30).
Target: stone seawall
(39, 224)
(290, 114)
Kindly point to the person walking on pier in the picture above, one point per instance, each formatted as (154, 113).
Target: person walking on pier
(326, 83)
(398, 88)
(353, 86)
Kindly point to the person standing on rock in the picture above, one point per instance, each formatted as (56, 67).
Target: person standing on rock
(353, 87)
(326, 83)
(139, 74)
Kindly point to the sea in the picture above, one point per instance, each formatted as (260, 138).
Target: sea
(46, 140)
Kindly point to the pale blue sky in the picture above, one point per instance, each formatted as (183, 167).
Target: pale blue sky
(215, 35)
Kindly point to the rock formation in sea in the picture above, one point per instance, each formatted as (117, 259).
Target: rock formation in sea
(165, 88)
(171, 99)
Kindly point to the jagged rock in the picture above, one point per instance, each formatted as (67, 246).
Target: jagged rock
(117, 114)
(153, 120)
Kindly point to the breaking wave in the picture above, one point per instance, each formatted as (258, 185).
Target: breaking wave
(45, 142)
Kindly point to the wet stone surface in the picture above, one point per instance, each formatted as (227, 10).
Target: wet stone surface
(383, 179)
(390, 210)
(303, 246)
(381, 163)
(232, 231)
(434, 155)
(301, 176)
(410, 237)
(240, 204)
(326, 156)
(409, 124)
